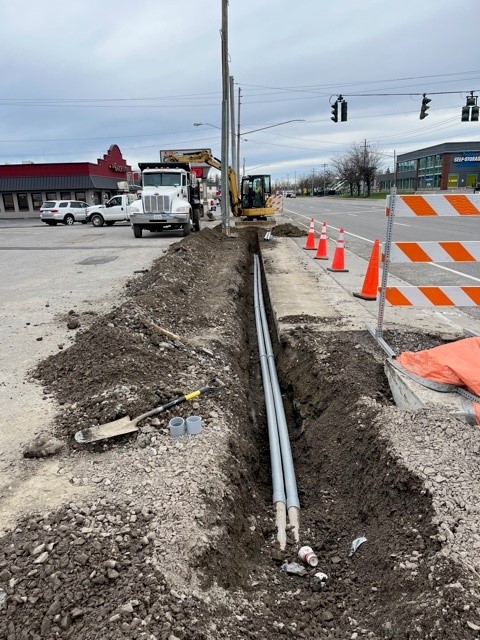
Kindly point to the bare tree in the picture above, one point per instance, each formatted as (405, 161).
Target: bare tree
(359, 166)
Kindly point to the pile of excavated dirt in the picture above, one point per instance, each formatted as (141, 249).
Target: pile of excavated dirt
(174, 538)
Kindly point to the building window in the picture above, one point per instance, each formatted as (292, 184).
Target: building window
(51, 195)
(36, 201)
(80, 195)
(22, 199)
(8, 203)
(65, 195)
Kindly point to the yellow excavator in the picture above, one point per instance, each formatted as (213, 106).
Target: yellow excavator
(255, 199)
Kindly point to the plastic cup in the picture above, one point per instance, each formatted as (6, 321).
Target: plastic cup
(307, 555)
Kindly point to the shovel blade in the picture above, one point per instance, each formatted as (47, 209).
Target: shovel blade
(107, 430)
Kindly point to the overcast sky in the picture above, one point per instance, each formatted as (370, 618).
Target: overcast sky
(79, 76)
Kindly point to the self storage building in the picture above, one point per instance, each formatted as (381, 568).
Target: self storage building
(450, 165)
(24, 187)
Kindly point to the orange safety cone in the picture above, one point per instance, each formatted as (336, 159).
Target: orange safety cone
(322, 245)
(338, 262)
(370, 283)
(310, 244)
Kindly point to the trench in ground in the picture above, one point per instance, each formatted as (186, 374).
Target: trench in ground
(349, 484)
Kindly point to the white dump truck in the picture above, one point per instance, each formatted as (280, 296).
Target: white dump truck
(170, 199)
(117, 209)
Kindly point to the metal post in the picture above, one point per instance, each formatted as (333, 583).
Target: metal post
(237, 163)
(225, 96)
(232, 127)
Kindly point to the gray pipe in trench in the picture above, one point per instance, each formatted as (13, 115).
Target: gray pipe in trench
(283, 472)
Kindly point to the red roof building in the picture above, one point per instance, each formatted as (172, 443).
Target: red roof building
(23, 187)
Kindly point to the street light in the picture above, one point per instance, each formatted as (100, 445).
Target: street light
(207, 124)
(244, 133)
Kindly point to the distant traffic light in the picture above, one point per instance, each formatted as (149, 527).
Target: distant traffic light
(465, 114)
(474, 114)
(343, 111)
(424, 108)
(335, 111)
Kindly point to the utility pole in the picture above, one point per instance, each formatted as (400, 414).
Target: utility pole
(324, 185)
(232, 125)
(237, 165)
(225, 122)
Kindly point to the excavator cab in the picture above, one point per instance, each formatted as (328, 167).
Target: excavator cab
(256, 194)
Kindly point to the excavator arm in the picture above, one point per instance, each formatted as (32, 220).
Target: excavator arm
(207, 158)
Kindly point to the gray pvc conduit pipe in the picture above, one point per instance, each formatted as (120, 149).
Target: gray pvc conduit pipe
(293, 503)
(278, 485)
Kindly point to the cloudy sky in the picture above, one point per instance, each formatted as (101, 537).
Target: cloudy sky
(79, 76)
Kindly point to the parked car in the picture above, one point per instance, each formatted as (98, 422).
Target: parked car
(68, 212)
(290, 194)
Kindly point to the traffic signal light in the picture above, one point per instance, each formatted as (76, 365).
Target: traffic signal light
(424, 108)
(465, 114)
(474, 114)
(335, 111)
(343, 111)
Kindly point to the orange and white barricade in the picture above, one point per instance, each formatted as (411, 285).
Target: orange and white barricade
(275, 201)
(436, 205)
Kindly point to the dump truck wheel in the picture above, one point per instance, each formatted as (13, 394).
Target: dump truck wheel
(137, 231)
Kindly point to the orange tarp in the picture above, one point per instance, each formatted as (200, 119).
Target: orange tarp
(456, 363)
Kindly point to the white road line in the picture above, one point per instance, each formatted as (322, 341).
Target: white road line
(400, 224)
(457, 273)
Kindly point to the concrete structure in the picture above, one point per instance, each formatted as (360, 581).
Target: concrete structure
(23, 187)
(450, 165)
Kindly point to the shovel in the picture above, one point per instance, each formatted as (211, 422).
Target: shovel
(127, 425)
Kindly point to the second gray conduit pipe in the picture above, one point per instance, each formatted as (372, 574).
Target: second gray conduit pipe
(286, 463)
(278, 485)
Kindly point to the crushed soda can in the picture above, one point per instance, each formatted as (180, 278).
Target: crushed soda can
(307, 555)
(355, 544)
(293, 568)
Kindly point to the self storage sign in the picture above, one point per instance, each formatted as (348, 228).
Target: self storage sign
(467, 160)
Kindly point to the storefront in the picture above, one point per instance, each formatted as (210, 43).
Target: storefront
(451, 165)
(23, 187)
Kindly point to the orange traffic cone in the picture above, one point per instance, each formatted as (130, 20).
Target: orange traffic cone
(322, 245)
(338, 262)
(310, 244)
(370, 283)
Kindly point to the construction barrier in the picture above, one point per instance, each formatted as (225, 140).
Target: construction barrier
(275, 201)
(427, 252)
(422, 366)
(436, 205)
(433, 296)
(435, 251)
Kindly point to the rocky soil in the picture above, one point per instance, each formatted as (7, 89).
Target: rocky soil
(175, 537)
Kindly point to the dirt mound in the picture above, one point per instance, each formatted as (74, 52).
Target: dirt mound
(175, 538)
(287, 230)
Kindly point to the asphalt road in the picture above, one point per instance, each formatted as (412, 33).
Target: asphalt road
(47, 272)
(364, 221)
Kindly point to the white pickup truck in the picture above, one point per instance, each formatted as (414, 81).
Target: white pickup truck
(117, 209)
